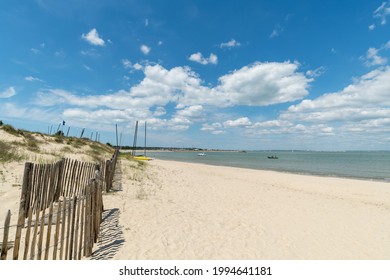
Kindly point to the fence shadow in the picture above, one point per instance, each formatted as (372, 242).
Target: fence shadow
(111, 236)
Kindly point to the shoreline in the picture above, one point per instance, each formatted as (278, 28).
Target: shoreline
(304, 173)
(178, 210)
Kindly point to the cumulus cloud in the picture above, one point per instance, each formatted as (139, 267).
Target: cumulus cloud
(199, 58)
(240, 122)
(367, 98)
(214, 128)
(263, 84)
(93, 38)
(145, 49)
(195, 111)
(255, 85)
(8, 92)
(230, 44)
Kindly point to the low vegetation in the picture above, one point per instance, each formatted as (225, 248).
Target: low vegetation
(30, 145)
(8, 153)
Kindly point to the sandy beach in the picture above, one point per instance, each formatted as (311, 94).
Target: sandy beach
(175, 210)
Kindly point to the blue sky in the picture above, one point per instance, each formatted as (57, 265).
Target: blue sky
(209, 74)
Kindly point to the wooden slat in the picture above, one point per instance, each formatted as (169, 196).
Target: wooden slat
(18, 235)
(41, 232)
(87, 233)
(28, 233)
(81, 228)
(4, 247)
(72, 230)
(63, 224)
(68, 230)
(48, 235)
(76, 232)
(32, 253)
(56, 235)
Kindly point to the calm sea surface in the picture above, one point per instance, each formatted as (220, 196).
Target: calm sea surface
(362, 165)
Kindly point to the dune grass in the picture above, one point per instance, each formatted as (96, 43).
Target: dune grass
(8, 153)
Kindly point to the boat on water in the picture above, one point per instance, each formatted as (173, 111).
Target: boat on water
(201, 154)
(272, 157)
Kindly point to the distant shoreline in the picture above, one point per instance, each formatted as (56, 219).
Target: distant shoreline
(348, 165)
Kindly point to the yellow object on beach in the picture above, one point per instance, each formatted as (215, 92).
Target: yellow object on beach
(142, 158)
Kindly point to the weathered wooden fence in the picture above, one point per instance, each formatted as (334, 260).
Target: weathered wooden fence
(60, 210)
(110, 170)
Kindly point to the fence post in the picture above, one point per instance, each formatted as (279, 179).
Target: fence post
(107, 175)
(25, 189)
(4, 247)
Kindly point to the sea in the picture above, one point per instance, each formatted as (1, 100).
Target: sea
(367, 165)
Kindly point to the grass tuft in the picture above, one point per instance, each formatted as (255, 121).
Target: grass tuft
(8, 153)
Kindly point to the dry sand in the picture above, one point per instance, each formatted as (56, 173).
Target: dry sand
(175, 210)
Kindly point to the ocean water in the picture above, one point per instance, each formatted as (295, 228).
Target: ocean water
(370, 165)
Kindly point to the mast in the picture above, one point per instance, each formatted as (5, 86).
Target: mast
(145, 141)
(135, 139)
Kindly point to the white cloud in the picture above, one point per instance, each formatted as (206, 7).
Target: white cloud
(240, 122)
(382, 12)
(32, 79)
(91, 52)
(371, 27)
(316, 72)
(276, 31)
(146, 22)
(230, 44)
(193, 112)
(198, 57)
(214, 128)
(93, 38)
(13, 110)
(34, 50)
(271, 123)
(367, 98)
(254, 85)
(138, 66)
(145, 49)
(86, 67)
(373, 58)
(160, 111)
(126, 63)
(8, 92)
(263, 84)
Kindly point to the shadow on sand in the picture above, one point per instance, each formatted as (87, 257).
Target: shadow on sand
(111, 236)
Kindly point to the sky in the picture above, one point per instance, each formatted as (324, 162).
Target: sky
(223, 74)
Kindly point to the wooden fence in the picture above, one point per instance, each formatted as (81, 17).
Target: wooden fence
(60, 210)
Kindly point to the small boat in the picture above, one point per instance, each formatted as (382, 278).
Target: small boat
(142, 157)
(201, 154)
(272, 157)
